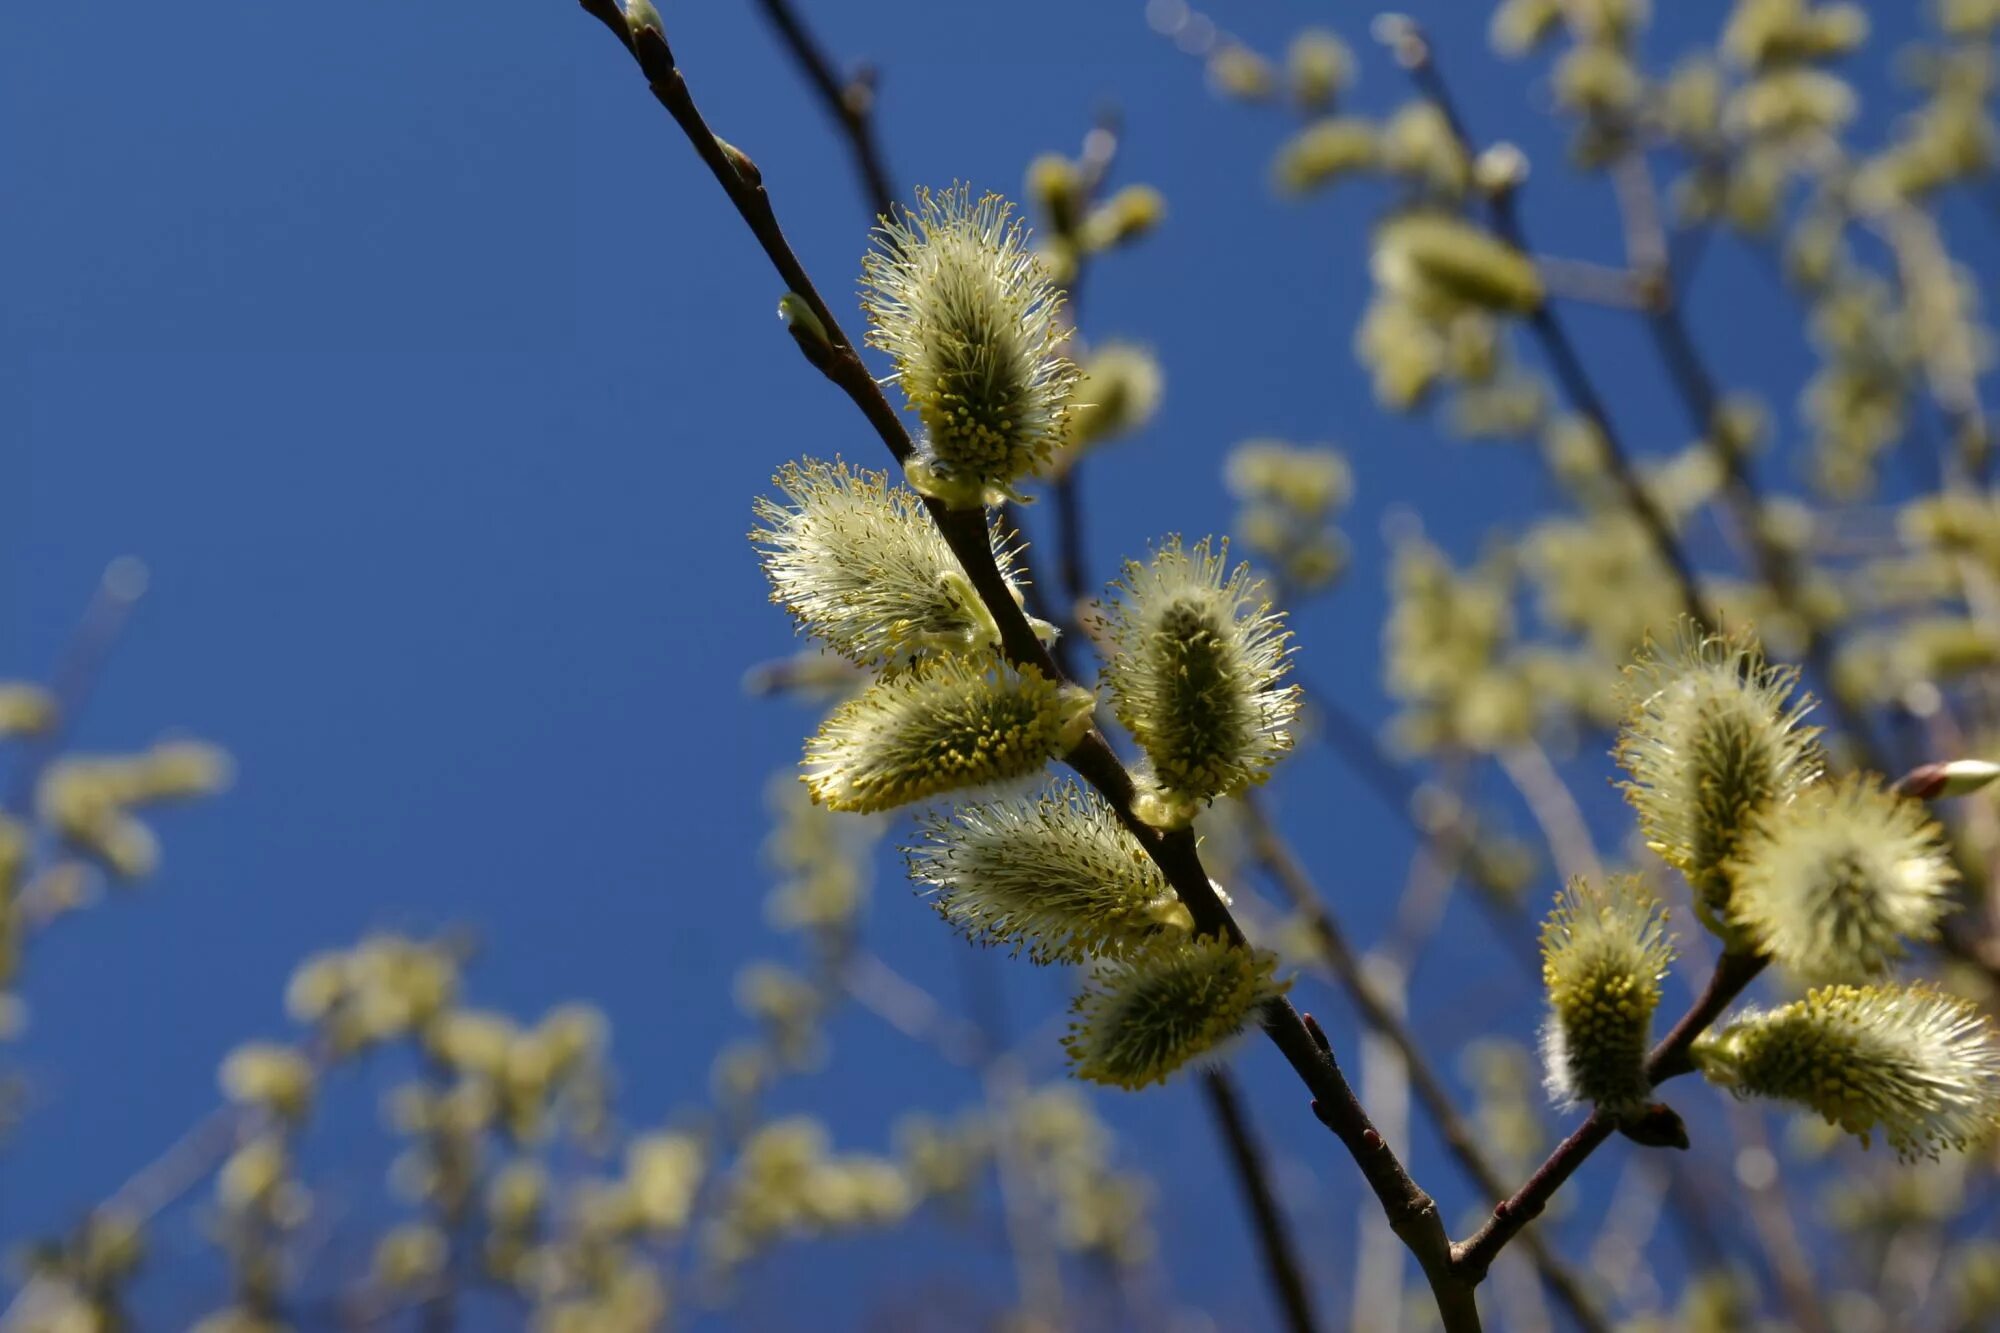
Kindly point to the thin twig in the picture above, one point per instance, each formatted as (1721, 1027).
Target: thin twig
(911, 1010)
(76, 671)
(1553, 809)
(1411, 1211)
(1100, 151)
(850, 102)
(1413, 52)
(1274, 1240)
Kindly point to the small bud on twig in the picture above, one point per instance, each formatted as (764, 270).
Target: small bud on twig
(1658, 1126)
(1941, 782)
(806, 329)
(640, 15)
(741, 161)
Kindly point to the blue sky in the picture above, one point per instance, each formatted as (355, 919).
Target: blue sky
(432, 378)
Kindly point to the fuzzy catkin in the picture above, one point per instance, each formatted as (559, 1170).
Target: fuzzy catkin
(1713, 739)
(1604, 951)
(968, 314)
(859, 564)
(1144, 1016)
(1921, 1066)
(1197, 656)
(946, 725)
(1057, 875)
(1835, 882)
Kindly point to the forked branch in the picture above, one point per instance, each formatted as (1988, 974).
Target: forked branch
(1411, 1212)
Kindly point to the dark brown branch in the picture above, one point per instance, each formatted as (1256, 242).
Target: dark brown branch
(1412, 50)
(1582, 394)
(1274, 1239)
(1411, 1212)
(850, 102)
(1459, 1139)
(850, 107)
(1670, 1058)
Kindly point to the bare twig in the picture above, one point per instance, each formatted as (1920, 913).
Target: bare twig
(1412, 51)
(911, 1010)
(850, 102)
(1274, 1240)
(1411, 1211)
(1554, 810)
(76, 671)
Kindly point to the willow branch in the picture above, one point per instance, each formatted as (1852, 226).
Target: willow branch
(850, 105)
(1381, 1017)
(1412, 1212)
(1670, 1058)
(1413, 52)
(869, 979)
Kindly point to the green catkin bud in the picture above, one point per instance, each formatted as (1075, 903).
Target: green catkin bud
(1766, 33)
(1323, 152)
(1418, 144)
(1143, 1017)
(640, 14)
(1518, 26)
(1604, 951)
(1597, 80)
(1059, 876)
(269, 1076)
(860, 565)
(949, 724)
(1124, 217)
(968, 315)
(1319, 67)
(1055, 186)
(1834, 882)
(1439, 260)
(1118, 393)
(1197, 653)
(1712, 739)
(1921, 1066)
(1236, 71)
(25, 709)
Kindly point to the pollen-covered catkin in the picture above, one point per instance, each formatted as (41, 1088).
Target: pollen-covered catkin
(948, 724)
(1144, 1016)
(860, 565)
(1713, 739)
(968, 314)
(1438, 259)
(1057, 875)
(1197, 654)
(1918, 1064)
(1604, 951)
(1834, 882)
